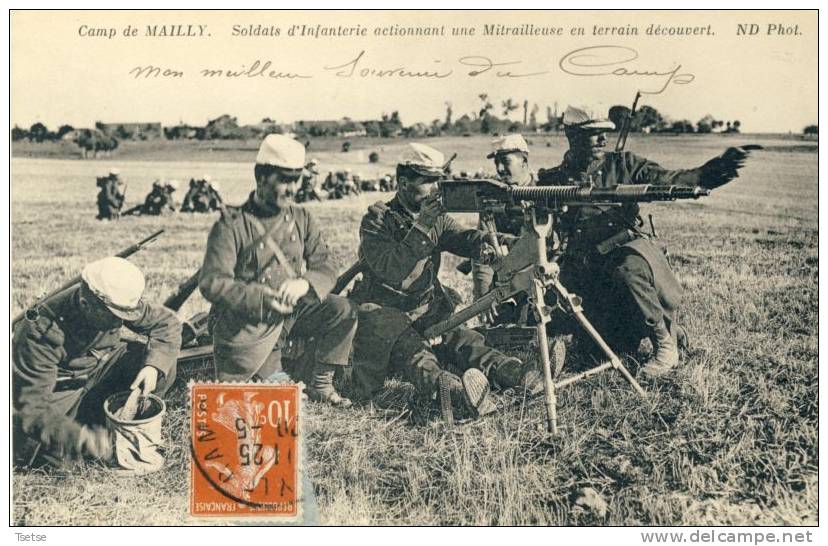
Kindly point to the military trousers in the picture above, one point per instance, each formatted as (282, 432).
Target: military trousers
(421, 364)
(327, 327)
(82, 398)
(621, 297)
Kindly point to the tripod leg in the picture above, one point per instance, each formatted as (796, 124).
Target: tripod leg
(576, 310)
(542, 316)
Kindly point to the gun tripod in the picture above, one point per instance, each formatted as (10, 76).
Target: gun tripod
(529, 270)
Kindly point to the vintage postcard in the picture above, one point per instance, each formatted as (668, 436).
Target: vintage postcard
(513, 268)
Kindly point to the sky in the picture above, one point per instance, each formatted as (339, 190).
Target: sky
(64, 71)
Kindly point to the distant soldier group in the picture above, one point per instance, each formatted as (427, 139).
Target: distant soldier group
(267, 268)
(202, 196)
(337, 184)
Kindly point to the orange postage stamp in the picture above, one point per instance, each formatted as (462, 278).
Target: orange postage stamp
(245, 451)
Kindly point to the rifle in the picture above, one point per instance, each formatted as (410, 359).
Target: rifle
(626, 125)
(529, 268)
(31, 313)
(185, 289)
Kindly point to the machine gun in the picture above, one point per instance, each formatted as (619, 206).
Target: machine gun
(530, 268)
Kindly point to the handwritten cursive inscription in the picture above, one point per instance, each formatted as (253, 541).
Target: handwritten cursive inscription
(615, 61)
(485, 64)
(356, 68)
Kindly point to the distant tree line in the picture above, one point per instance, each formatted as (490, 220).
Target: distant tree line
(489, 117)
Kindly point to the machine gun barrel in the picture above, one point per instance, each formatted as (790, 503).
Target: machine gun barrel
(485, 195)
(638, 193)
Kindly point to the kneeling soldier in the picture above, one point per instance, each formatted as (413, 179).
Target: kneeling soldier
(266, 263)
(68, 357)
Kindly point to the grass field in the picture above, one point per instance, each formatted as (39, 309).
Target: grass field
(729, 438)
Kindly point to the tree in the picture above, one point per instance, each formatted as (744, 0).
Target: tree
(18, 133)
(681, 126)
(705, 124)
(63, 130)
(484, 109)
(811, 130)
(509, 106)
(533, 117)
(647, 116)
(618, 114)
(449, 112)
(38, 132)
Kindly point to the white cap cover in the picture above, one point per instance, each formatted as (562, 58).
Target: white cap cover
(424, 159)
(281, 151)
(580, 118)
(118, 283)
(508, 143)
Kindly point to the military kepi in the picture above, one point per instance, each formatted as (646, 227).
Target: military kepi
(118, 283)
(281, 151)
(508, 144)
(424, 160)
(579, 118)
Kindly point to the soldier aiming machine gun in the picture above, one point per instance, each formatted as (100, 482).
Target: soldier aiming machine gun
(529, 266)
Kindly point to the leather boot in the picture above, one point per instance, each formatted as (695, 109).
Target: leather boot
(322, 388)
(665, 352)
(511, 373)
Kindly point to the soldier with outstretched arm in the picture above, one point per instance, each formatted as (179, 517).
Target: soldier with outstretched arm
(266, 263)
(628, 288)
(68, 357)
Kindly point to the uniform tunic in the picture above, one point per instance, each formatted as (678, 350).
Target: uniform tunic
(625, 280)
(60, 367)
(400, 296)
(235, 277)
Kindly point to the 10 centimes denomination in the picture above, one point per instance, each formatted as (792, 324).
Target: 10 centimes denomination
(245, 452)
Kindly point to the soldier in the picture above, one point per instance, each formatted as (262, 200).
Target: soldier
(68, 357)
(401, 243)
(214, 201)
(309, 190)
(111, 196)
(628, 288)
(199, 197)
(511, 159)
(266, 263)
(159, 200)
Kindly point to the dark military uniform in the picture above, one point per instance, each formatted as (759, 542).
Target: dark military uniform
(158, 201)
(110, 198)
(198, 198)
(516, 310)
(62, 371)
(234, 278)
(400, 296)
(624, 279)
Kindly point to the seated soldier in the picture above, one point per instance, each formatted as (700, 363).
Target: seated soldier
(266, 264)
(401, 243)
(159, 199)
(68, 357)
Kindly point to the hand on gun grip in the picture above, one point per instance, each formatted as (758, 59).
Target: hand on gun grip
(489, 316)
(430, 210)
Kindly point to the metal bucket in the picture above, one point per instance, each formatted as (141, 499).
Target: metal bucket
(136, 441)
